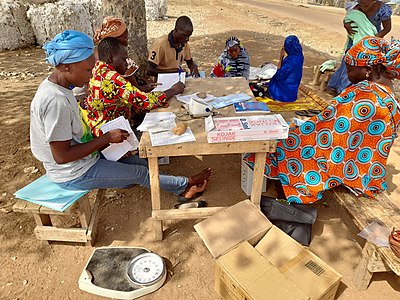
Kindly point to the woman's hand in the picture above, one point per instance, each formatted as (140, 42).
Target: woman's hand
(131, 68)
(194, 71)
(148, 87)
(282, 53)
(129, 72)
(349, 28)
(117, 135)
(178, 88)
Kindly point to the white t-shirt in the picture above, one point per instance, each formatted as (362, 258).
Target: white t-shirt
(55, 116)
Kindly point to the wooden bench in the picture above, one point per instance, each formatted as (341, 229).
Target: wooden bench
(365, 211)
(46, 231)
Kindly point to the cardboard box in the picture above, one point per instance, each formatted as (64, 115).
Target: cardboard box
(246, 128)
(246, 176)
(255, 260)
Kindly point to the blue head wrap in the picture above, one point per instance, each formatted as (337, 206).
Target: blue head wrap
(68, 47)
(292, 45)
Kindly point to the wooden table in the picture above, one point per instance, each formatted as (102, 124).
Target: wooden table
(217, 87)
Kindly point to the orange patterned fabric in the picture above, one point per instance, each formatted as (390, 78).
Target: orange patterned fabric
(372, 51)
(346, 144)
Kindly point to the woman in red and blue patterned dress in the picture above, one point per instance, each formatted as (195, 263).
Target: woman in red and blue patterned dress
(348, 143)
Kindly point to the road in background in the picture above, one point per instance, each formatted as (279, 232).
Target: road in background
(325, 17)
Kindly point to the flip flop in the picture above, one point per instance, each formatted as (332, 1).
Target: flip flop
(182, 199)
(191, 204)
(303, 113)
(314, 111)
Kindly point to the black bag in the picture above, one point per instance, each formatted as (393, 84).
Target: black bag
(295, 219)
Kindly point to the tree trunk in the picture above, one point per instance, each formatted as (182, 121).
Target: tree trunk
(133, 12)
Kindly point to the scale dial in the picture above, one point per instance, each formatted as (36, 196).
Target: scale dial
(146, 269)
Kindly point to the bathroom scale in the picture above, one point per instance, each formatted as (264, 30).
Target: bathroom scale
(123, 272)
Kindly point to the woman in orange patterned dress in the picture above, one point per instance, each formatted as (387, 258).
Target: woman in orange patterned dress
(349, 141)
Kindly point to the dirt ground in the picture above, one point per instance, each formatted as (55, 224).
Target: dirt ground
(32, 270)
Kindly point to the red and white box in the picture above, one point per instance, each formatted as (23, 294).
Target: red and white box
(246, 128)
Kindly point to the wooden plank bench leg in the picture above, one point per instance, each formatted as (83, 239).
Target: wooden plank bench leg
(317, 75)
(42, 220)
(324, 81)
(370, 263)
(362, 276)
(92, 228)
(84, 212)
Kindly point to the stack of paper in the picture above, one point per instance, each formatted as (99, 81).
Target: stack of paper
(266, 72)
(116, 150)
(167, 80)
(160, 125)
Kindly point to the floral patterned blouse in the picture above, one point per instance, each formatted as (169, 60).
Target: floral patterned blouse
(111, 96)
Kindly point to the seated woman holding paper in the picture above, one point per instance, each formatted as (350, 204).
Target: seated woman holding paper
(284, 85)
(63, 143)
(111, 95)
(348, 143)
(234, 61)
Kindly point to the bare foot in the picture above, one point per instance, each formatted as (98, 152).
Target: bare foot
(204, 175)
(194, 189)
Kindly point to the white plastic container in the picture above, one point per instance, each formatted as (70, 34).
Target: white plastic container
(247, 179)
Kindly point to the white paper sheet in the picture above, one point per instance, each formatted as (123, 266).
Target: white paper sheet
(266, 72)
(169, 138)
(158, 121)
(186, 98)
(167, 80)
(116, 150)
(202, 74)
(220, 102)
(298, 122)
(209, 123)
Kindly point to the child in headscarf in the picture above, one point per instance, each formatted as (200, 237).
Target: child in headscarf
(234, 61)
(284, 85)
(348, 143)
(64, 144)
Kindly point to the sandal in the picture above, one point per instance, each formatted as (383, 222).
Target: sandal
(191, 204)
(182, 199)
(314, 111)
(303, 113)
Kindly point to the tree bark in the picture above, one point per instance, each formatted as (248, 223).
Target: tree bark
(133, 12)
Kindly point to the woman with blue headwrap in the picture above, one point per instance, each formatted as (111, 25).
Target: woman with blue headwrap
(64, 144)
(284, 85)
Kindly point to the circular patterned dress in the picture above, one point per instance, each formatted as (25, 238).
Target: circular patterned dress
(348, 144)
